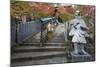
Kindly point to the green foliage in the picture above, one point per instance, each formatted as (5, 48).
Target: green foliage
(91, 29)
(18, 9)
(42, 15)
(90, 50)
(86, 18)
(68, 42)
(68, 45)
(66, 17)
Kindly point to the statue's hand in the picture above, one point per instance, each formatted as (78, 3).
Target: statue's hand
(82, 28)
(75, 27)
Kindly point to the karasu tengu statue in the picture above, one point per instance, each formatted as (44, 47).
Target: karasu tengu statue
(78, 31)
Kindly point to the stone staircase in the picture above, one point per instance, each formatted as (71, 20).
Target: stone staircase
(31, 53)
(35, 55)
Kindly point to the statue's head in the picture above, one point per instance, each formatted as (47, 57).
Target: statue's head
(77, 13)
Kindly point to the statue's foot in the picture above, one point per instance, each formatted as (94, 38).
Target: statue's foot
(74, 52)
(84, 52)
(80, 53)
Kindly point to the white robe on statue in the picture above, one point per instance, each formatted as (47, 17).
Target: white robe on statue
(77, 33)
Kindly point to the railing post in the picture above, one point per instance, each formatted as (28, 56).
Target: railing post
(41, 41)
(16, 34)
(47, 35)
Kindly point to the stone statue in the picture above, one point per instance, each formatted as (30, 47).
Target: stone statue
(78, 31)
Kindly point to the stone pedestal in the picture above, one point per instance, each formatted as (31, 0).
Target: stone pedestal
(80, 58)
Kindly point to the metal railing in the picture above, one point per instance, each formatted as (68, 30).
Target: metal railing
(21, 31)
(24, 30)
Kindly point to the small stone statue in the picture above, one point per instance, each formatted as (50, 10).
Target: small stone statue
(78, 32)
(50, 27)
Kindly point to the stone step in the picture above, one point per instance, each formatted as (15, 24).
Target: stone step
(38, 44)
(31, 41)
(57, 41)
(25, 56)
(52, 60)
(52, 41)
(39, 49)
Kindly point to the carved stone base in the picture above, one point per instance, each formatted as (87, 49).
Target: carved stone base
(80, 58)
